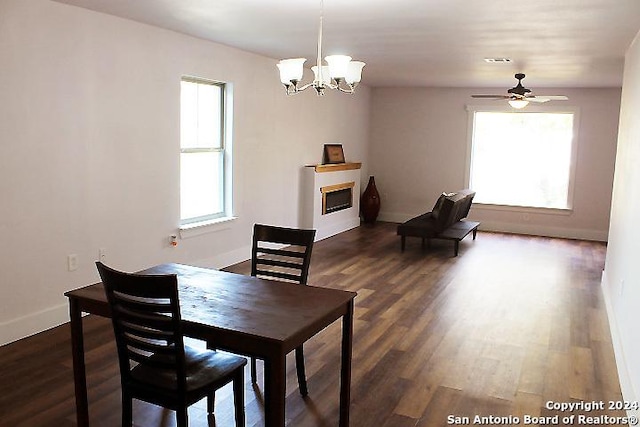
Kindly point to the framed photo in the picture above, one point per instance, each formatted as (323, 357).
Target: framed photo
(332, 154)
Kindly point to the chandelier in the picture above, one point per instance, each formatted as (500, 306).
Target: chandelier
(340, 73)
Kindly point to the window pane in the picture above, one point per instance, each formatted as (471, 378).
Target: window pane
(202, 147)
(522, 159)
(200, 124)
(201, 185)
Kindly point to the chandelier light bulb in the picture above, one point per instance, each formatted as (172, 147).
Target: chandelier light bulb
(338, 65)
(354, 72)
(326, 77)
(291, 70)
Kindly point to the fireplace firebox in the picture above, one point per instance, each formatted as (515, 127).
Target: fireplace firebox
(337, 197)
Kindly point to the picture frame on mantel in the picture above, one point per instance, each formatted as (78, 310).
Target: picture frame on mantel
(333, 153)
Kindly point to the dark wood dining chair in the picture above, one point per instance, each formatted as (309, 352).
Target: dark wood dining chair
(283, 254)
(155, 364)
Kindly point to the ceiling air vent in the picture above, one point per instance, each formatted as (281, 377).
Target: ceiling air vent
(497, 60)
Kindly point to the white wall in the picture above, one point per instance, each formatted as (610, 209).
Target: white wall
(89, 131)
(419, 140)
(621, 278)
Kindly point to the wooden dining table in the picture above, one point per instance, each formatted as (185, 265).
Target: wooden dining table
(242, 314)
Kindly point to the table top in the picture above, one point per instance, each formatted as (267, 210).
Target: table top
(279, 313)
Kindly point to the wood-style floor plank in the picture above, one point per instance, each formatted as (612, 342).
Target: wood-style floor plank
(509, 324)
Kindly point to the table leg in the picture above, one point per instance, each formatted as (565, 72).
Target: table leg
(274, 390)
(345, 371)
(79, 373)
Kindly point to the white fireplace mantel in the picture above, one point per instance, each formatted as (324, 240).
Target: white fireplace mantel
(316, 177)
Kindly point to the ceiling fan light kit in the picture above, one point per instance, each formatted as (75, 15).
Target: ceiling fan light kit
(518, 103)
(341, 72)
(519, 96)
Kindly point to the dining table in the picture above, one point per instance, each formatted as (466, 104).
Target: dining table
(242, 314)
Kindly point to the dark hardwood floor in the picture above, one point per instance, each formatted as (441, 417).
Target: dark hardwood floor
(511, 323)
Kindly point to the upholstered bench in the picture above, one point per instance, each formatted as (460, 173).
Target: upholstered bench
(445, 221)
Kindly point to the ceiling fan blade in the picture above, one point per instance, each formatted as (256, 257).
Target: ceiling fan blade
(491, 96)
(537, 99)
(553, 97)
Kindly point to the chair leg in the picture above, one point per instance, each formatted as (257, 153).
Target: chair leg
(127, 410)
(254, 369)
(211, 402)
(302, 377)
(182, 419)
(238, 397)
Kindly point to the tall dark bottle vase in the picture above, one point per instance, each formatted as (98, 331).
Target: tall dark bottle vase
(370, 202)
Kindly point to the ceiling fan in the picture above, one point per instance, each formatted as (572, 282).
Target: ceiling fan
(519, 96)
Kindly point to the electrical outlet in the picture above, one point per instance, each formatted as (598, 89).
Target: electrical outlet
(72, 262)
(102, 254)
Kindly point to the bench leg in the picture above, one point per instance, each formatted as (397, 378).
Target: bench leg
(402, 242)
(474, 233)
(456, 246)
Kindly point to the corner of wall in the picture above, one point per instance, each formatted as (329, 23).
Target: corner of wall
(626, 384)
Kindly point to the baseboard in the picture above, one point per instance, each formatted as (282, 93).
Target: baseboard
(519, 228)
(25, 326)
(337, 228)
(545, 230)
(394, 217)
(626, 385)
(224, 260)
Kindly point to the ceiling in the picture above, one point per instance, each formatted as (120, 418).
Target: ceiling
(443, 43)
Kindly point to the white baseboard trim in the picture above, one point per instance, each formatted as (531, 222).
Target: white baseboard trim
(226, 259)
(519, 228)
(394, 217)
(242, 254)
(337, 228)
(31, 324)
(626, 385)
(545, 230)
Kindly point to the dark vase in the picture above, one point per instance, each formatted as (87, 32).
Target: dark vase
(370, 202)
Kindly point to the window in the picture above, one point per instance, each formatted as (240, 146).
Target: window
(522, 158)
(204, 170)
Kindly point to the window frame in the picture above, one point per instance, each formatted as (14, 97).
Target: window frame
(226, 178)
(551, 109)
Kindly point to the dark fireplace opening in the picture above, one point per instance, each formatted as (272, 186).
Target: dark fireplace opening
(337, 200)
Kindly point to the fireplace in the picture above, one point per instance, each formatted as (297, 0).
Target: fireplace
(330, 198)
(337, 197)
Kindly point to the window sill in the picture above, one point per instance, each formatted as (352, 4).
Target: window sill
(522, 209)
(204, 227)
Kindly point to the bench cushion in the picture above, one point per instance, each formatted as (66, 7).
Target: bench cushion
(448, 209)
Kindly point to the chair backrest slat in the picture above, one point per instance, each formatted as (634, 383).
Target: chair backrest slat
(281, 253)
(280, 263)
(279, 275)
